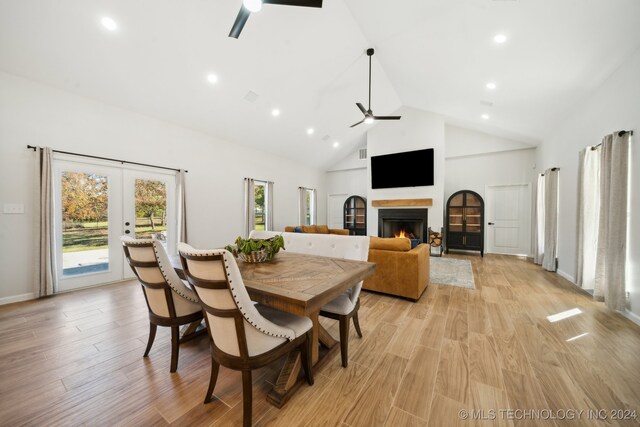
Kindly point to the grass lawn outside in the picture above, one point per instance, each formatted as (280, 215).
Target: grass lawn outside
(91, 235)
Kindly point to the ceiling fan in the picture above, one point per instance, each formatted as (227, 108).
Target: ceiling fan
(368, 114)
(249, 6)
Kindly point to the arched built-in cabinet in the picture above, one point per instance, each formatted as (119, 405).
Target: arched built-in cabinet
(465, 222)
(355, 215)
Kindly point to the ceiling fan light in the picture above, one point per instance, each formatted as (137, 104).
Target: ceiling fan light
(368, 120)
(252, 5)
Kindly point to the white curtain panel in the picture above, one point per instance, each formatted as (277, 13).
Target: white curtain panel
(182, 206)
(314, 207)
(550, 219)
(46, 280)
(610, 281)
(269, 207)
(249, 205)
(302, 206)
(588, 216)
(538, 235)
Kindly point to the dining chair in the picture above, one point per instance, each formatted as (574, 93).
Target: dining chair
(170, 302)
(345, 307)
(243, 336)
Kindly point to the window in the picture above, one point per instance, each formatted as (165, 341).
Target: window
(307, 206)
(259, 209)
(258, 198)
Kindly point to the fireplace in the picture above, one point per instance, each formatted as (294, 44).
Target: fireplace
(410, 223)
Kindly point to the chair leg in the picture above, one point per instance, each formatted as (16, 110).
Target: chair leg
(356, 323)
(305, 351)
(344, 340)
(247, 398)
(152, 336)
(215, 367)
(175, 347)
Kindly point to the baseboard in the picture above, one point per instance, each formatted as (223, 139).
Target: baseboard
(566, 276)
(16, 298)
(631, 316)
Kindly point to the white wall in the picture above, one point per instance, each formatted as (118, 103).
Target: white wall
(467, 142)
(351, 182)
(614, 106)
(34, 114)
(477, 171)
(416, 130)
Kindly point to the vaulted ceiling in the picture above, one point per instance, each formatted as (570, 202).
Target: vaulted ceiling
(310, 64)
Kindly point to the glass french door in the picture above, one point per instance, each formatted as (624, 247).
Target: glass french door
(95, 204)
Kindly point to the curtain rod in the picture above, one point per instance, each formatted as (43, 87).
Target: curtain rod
(552, 169)
(260, 180)
(107, 158)
(622, 132)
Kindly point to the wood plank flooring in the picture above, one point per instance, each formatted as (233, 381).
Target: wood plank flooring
(76, 359)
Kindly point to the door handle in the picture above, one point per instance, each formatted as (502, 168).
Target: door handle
(126, 223)
(127, 231)
(491, 223)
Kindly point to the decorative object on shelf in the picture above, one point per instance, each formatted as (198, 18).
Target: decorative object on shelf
(465, 222)
(355, 215)
(256, 250)
(436, 240)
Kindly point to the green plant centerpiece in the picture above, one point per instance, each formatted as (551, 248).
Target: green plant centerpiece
(256, 250)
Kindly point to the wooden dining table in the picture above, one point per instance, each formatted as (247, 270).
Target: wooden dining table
(298, 284)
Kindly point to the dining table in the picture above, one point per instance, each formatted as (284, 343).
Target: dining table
(299, 284)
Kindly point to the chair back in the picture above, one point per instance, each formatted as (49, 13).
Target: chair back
(235, 326)
(166, 295)
(330, 245)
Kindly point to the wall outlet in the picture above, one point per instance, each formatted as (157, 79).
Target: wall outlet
(13, 208)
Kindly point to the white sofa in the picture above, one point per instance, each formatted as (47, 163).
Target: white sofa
(329, 245)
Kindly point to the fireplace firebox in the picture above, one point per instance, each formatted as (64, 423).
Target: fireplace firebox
(409, 223)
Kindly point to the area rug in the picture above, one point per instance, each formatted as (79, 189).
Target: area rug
(452, 272)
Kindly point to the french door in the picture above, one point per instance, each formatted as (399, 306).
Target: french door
(95, 204)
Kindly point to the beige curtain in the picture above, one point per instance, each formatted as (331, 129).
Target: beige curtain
(302, 206)
(249, 205)
(269, 206)
(46, 280)
(550, 219)
(588, 216)
(182, 206)
(538, 212)
(610, 278)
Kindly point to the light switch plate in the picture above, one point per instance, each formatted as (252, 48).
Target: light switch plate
(13, 208)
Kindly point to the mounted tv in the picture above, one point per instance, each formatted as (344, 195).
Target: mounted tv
(407, 169)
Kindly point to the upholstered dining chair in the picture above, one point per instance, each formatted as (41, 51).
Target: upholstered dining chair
(243, 336)
(170, 302)
(345, 306)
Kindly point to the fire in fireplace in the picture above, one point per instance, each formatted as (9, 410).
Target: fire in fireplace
(409, 223)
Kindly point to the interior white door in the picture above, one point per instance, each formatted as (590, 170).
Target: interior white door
(335, 210)
(88, 218)
(508, 219)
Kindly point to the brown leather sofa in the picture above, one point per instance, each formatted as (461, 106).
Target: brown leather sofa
(317, 229)
(400, 270)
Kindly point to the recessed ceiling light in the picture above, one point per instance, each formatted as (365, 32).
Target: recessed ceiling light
(275, 112)
(491, 85)
(500, 38)
(336, 144)
(253, 5)
(212, 78)
(109, 23)
(485, 116)
(310, 131)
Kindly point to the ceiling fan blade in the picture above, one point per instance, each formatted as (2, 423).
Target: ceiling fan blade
(387, 117)
(361, 107)
(238, 25)
(359, 123)
(305, 3)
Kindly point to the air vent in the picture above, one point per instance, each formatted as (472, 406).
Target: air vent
(251, 96)
(486, 103)
(326, 138)
(362, 154)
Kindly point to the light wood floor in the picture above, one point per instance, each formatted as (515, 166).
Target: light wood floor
(76, 359)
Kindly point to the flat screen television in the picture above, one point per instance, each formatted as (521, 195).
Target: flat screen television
(407, 169)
